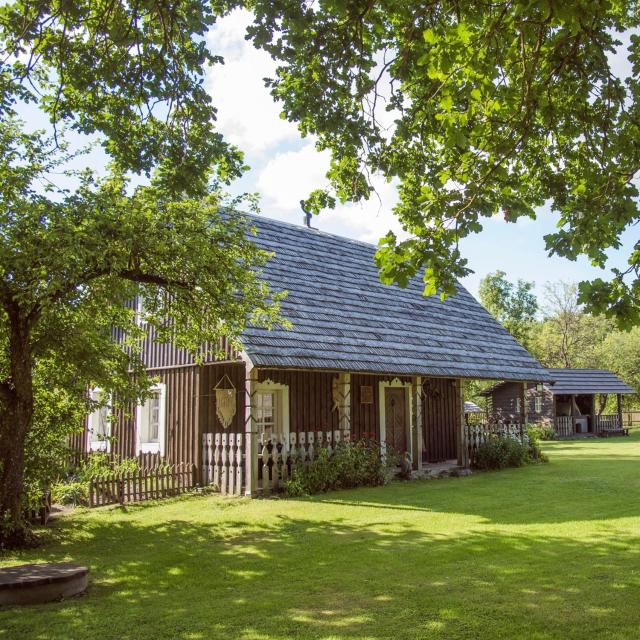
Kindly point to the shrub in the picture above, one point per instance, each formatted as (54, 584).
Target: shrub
(499, 452)
(75, 488)
(74, 493)
(539, 432)
(355, 464)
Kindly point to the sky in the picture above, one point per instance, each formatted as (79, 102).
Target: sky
(285, 168)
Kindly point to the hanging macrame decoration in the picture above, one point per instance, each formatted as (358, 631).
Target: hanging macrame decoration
(225, 401)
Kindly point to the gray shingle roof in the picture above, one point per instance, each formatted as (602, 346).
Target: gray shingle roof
(587, 381)
(344, 318)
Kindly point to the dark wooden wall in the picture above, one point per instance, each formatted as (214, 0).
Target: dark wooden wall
(310, 398)
(503, 401)
(365, 418)
(210, 376)
(441, 415)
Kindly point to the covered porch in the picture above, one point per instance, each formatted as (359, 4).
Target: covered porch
(582, 403)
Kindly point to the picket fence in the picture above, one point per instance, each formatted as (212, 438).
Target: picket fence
(477, 434)
(142, 484)
(224, 458)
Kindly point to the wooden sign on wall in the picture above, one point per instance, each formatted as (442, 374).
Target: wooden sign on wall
(366, 394)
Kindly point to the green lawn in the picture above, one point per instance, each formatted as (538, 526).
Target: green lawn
(549, 551)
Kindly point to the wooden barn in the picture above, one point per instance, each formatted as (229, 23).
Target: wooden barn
(574, 404)
(362, 359)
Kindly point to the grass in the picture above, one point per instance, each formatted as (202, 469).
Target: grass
(548, 551)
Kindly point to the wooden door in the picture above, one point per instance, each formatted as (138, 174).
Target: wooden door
(395, 418)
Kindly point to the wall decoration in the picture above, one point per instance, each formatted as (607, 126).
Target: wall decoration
(366, 394)
(225, 401)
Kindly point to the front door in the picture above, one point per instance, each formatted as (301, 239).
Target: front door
(395, 411)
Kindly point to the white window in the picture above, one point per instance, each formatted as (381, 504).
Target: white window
(538, 403)
(99, 423)
(518, 405)
(150, 422)
(266, 410)
(271, 410)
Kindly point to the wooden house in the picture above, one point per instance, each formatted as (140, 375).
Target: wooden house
(574, 404)
(362, 359)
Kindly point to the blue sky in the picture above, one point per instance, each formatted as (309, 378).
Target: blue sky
(285, 168)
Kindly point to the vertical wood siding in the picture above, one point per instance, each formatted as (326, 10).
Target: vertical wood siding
(210, 376)
(310, 398)
(441, 419)
(503, 401)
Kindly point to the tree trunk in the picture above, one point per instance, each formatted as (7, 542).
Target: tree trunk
(16, 412)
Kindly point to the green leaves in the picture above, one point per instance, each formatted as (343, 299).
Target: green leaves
(498, 108)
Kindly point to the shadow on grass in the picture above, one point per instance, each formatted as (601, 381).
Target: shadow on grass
(300, 578)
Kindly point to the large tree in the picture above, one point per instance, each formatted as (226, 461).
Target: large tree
(514, 305)
(75, 247)
(476, 109)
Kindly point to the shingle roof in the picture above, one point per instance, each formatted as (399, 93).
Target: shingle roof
(587, 381)
(344, 318)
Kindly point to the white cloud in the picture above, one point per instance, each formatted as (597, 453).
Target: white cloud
(290, 176)
(247, 114)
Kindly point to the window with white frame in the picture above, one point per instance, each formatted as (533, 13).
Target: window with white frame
(266, 411)
(518, 405)
(150, 422)
(538, 403)
(99, 423)
(271, 410)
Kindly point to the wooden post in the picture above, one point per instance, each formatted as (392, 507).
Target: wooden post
(251, 434)
(344, 403)
(416, 422)
(619, 398)
(524, 414)
(463, 454)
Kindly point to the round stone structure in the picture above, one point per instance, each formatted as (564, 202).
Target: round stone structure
(37, 583)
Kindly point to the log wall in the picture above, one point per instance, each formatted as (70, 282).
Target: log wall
(441, 417)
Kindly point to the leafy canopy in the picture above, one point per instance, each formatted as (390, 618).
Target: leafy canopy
(515, 306)
(477, 109)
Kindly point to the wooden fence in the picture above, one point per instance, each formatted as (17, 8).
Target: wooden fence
(477, 434)
(141, 484)
(224, 458)
(145, 460)
(600, 424)
(223, 461)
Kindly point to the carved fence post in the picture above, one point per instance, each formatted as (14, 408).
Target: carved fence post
(344, 401)
(250, 432)
(463, 449)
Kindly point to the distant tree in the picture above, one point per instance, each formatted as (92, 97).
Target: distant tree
(513, 305)
(567, 336)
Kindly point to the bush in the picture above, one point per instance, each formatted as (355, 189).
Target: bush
(539, 432)
(351, 465)
(75, 488)
(73, 493)
(499, 452)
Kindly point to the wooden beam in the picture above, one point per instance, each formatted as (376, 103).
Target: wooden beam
(463, 456)
(524, 414)
(251, 433)
(416, 422)
(619, 397)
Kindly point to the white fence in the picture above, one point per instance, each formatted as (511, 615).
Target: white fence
(477, 434)
(224, 457)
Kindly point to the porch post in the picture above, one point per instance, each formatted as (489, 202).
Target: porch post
(416, 422)
(619, 397)
(344, 404)
(524, 413)
(463, 452)
(250, 433)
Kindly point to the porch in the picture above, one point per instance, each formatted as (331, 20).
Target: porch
(577, 415)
